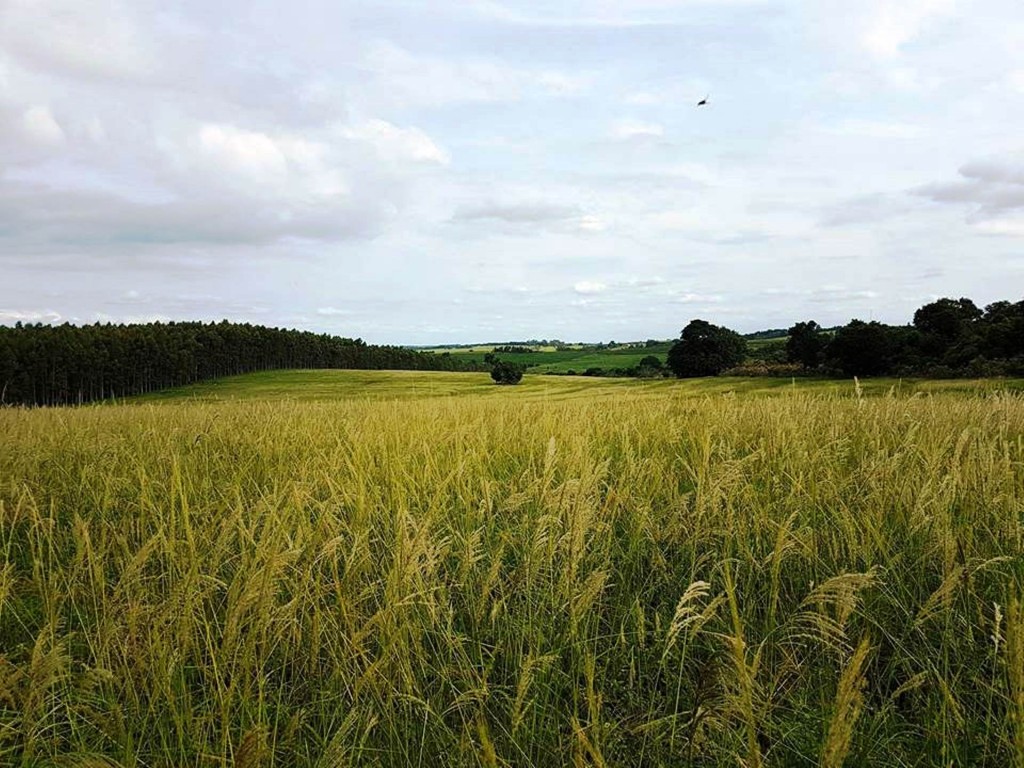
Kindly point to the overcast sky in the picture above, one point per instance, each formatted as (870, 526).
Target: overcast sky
(471, 170)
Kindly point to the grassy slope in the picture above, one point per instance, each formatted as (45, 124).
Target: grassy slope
(327, 568)
(390, 385)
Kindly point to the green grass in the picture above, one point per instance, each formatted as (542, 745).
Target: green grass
(344, 568)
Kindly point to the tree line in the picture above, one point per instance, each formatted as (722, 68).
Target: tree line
(63, 364)
(947, 338)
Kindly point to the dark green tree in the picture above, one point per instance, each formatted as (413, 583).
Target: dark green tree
(863, 349)
(649, 367)
(505, 372)
(805, 344)
(946, 318)
(948, 330)
(1003, 328)
(704, 349)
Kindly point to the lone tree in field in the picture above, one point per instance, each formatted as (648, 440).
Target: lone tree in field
(505, 372)
(704, 349)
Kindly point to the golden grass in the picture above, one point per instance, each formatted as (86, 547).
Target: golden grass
(645, 579)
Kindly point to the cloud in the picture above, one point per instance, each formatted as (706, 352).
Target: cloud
(518, 213)
(246, 153)
(1015, 80)
(600, 14)
(1009, 226)
(877, 129)
(81, 39)
(894, 24)
(688, 297)
(589, 287)
(564, 83)
(8, 316)
(993, 187)
(833, 294)
(261, 155)
(997, 171)
(36, 217)
(40, 126)
(395, 76)
(645, 283)
(863, 209)
(625, 130)
(392, 142)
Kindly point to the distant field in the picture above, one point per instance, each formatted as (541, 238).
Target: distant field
(361, 568)
(577, 360)
(324, 385)
(546, 359)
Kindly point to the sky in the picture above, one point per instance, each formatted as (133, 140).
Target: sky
(487, 170)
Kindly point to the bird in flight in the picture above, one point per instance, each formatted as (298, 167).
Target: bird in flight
(703, 101)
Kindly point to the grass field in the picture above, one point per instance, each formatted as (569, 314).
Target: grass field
(366, 568)
(329, 385)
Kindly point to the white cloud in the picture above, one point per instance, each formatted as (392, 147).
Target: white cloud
(643, 99)
(589, 287)
(634, 129)
(645, 282)
(395, 143)
(29, 316)
(1015, 80)
(563, 83)
(41, 127)
(526, 212)
(1010, 226)
(877, 129)
(80, 39)
(696, 298)
(895, 24)
(247, 153)
(398, 77)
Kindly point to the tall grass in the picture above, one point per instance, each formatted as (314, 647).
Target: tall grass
(800, 580)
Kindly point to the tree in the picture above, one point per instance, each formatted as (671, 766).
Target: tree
(704, 349)
(649, 367)
(505, 372)
(805, 344)
(1004, 329)
(946, 318)
(945, 324)
(863, 349)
